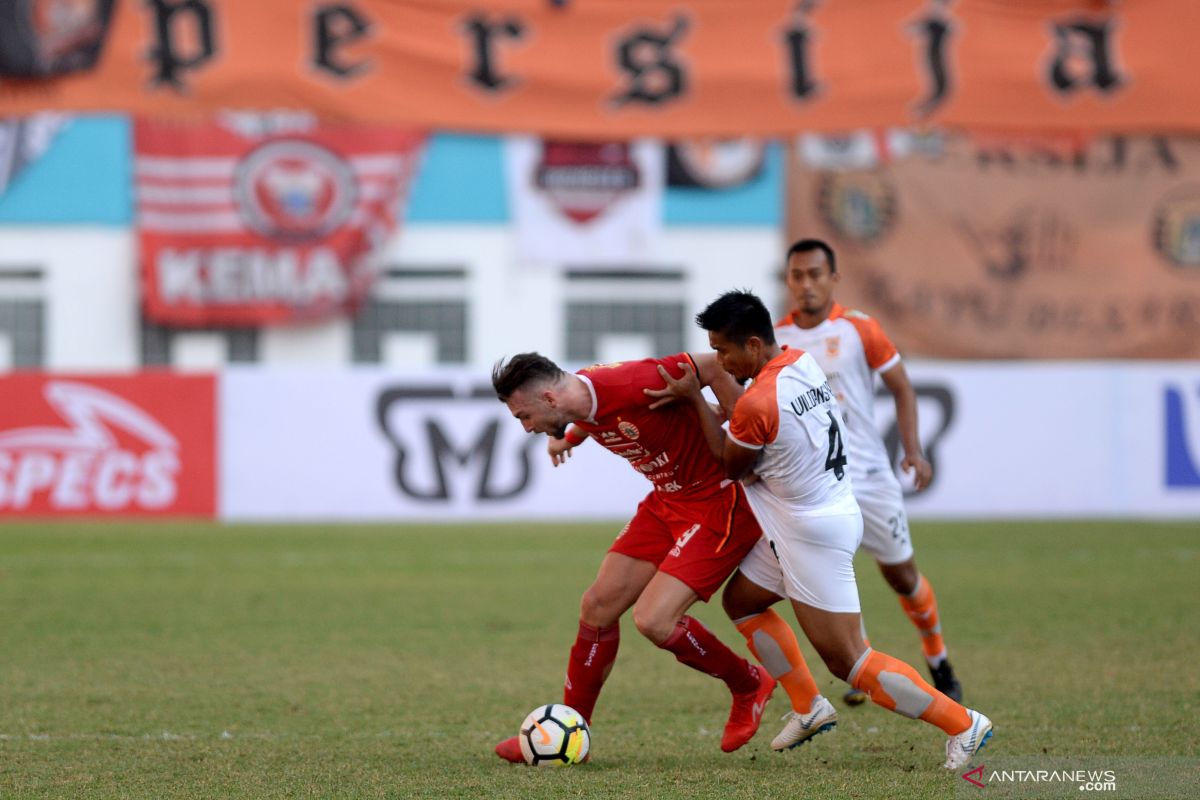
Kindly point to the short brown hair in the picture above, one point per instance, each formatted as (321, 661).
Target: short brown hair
(522, 369)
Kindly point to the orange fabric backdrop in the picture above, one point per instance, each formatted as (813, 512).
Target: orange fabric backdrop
(710, 67)
(985, 248)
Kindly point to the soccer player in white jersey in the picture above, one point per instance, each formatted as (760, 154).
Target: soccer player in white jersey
(852, 348)
(787, 431)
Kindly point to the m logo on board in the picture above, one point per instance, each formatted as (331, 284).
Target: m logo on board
(454, 445)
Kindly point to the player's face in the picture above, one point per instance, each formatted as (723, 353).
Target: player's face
(539, 412)
(738, 360)
(810, 282)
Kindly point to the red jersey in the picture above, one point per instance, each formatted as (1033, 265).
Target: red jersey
(667, 445)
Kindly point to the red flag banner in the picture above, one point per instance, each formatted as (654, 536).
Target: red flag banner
(264, 219)
(627, 68)
(1012, 248)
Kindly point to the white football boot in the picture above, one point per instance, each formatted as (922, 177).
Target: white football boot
(962, 747)
(802, 727)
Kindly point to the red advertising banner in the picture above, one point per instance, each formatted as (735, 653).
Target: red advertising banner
(85, 445)
(622, 68)
(262, 219)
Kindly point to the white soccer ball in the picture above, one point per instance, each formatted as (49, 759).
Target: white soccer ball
(554, 736)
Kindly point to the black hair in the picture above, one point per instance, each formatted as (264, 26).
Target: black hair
(737, 316)
(521, 370)
(808, 245)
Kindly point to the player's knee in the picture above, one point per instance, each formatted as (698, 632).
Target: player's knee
(597, 609)
(737, 605)
(903, 577)
(654, 626)
(743, 598)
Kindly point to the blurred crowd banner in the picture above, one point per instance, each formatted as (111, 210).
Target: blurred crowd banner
(989, 247)
(255, 219)
(618, 69)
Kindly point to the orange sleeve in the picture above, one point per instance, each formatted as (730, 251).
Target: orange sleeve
(755, 421)
(876, 344)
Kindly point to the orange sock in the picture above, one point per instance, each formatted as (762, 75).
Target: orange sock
(774, 644)
(897, 687)
(921, 607)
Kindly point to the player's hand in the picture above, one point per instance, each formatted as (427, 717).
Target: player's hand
(685, 386)
(922, 470)
(750, 477)
(559, 450)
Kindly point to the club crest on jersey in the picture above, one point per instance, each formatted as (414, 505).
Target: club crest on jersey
(582, 179)
(628, 429)
(293, 189)
(833, 345)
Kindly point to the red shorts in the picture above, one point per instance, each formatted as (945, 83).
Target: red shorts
(700, 542)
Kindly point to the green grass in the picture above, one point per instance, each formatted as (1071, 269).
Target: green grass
(181, 661)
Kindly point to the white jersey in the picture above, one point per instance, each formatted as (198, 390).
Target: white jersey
(851, 348)
(791, 414)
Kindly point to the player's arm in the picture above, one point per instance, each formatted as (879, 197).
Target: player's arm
(686, 389)
(714, 376)
(739, 460)
(897, 382)
(560, 449)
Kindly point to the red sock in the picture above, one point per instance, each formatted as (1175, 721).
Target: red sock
(591, 660)
(695, 645)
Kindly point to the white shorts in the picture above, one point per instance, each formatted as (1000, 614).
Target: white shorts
(803, 557)
(885, 528)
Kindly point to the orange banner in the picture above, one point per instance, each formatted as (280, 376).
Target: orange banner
(992, 248)
(617, 69)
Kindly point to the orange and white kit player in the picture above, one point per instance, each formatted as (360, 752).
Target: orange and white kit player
(851, 349)
(786, 430)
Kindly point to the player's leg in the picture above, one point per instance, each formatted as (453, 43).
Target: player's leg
(660, 616)
(617, 585)
(852, 696)
(774, 644)
(747, 599)
(626, 569)
(891, 683)
(699, 562)
(920, 604)
(819, 570)
(886, 538)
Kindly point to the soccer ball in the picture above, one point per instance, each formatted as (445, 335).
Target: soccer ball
(554, 736)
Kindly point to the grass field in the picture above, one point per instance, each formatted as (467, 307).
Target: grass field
(178, 661)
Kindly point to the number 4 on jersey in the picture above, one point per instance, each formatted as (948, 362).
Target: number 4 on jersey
(836, 460)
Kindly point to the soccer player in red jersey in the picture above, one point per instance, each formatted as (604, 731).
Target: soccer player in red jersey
(687, 536)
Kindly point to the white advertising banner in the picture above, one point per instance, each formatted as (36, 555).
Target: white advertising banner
(367, 444)
(1007, 440)
(1056, 439)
